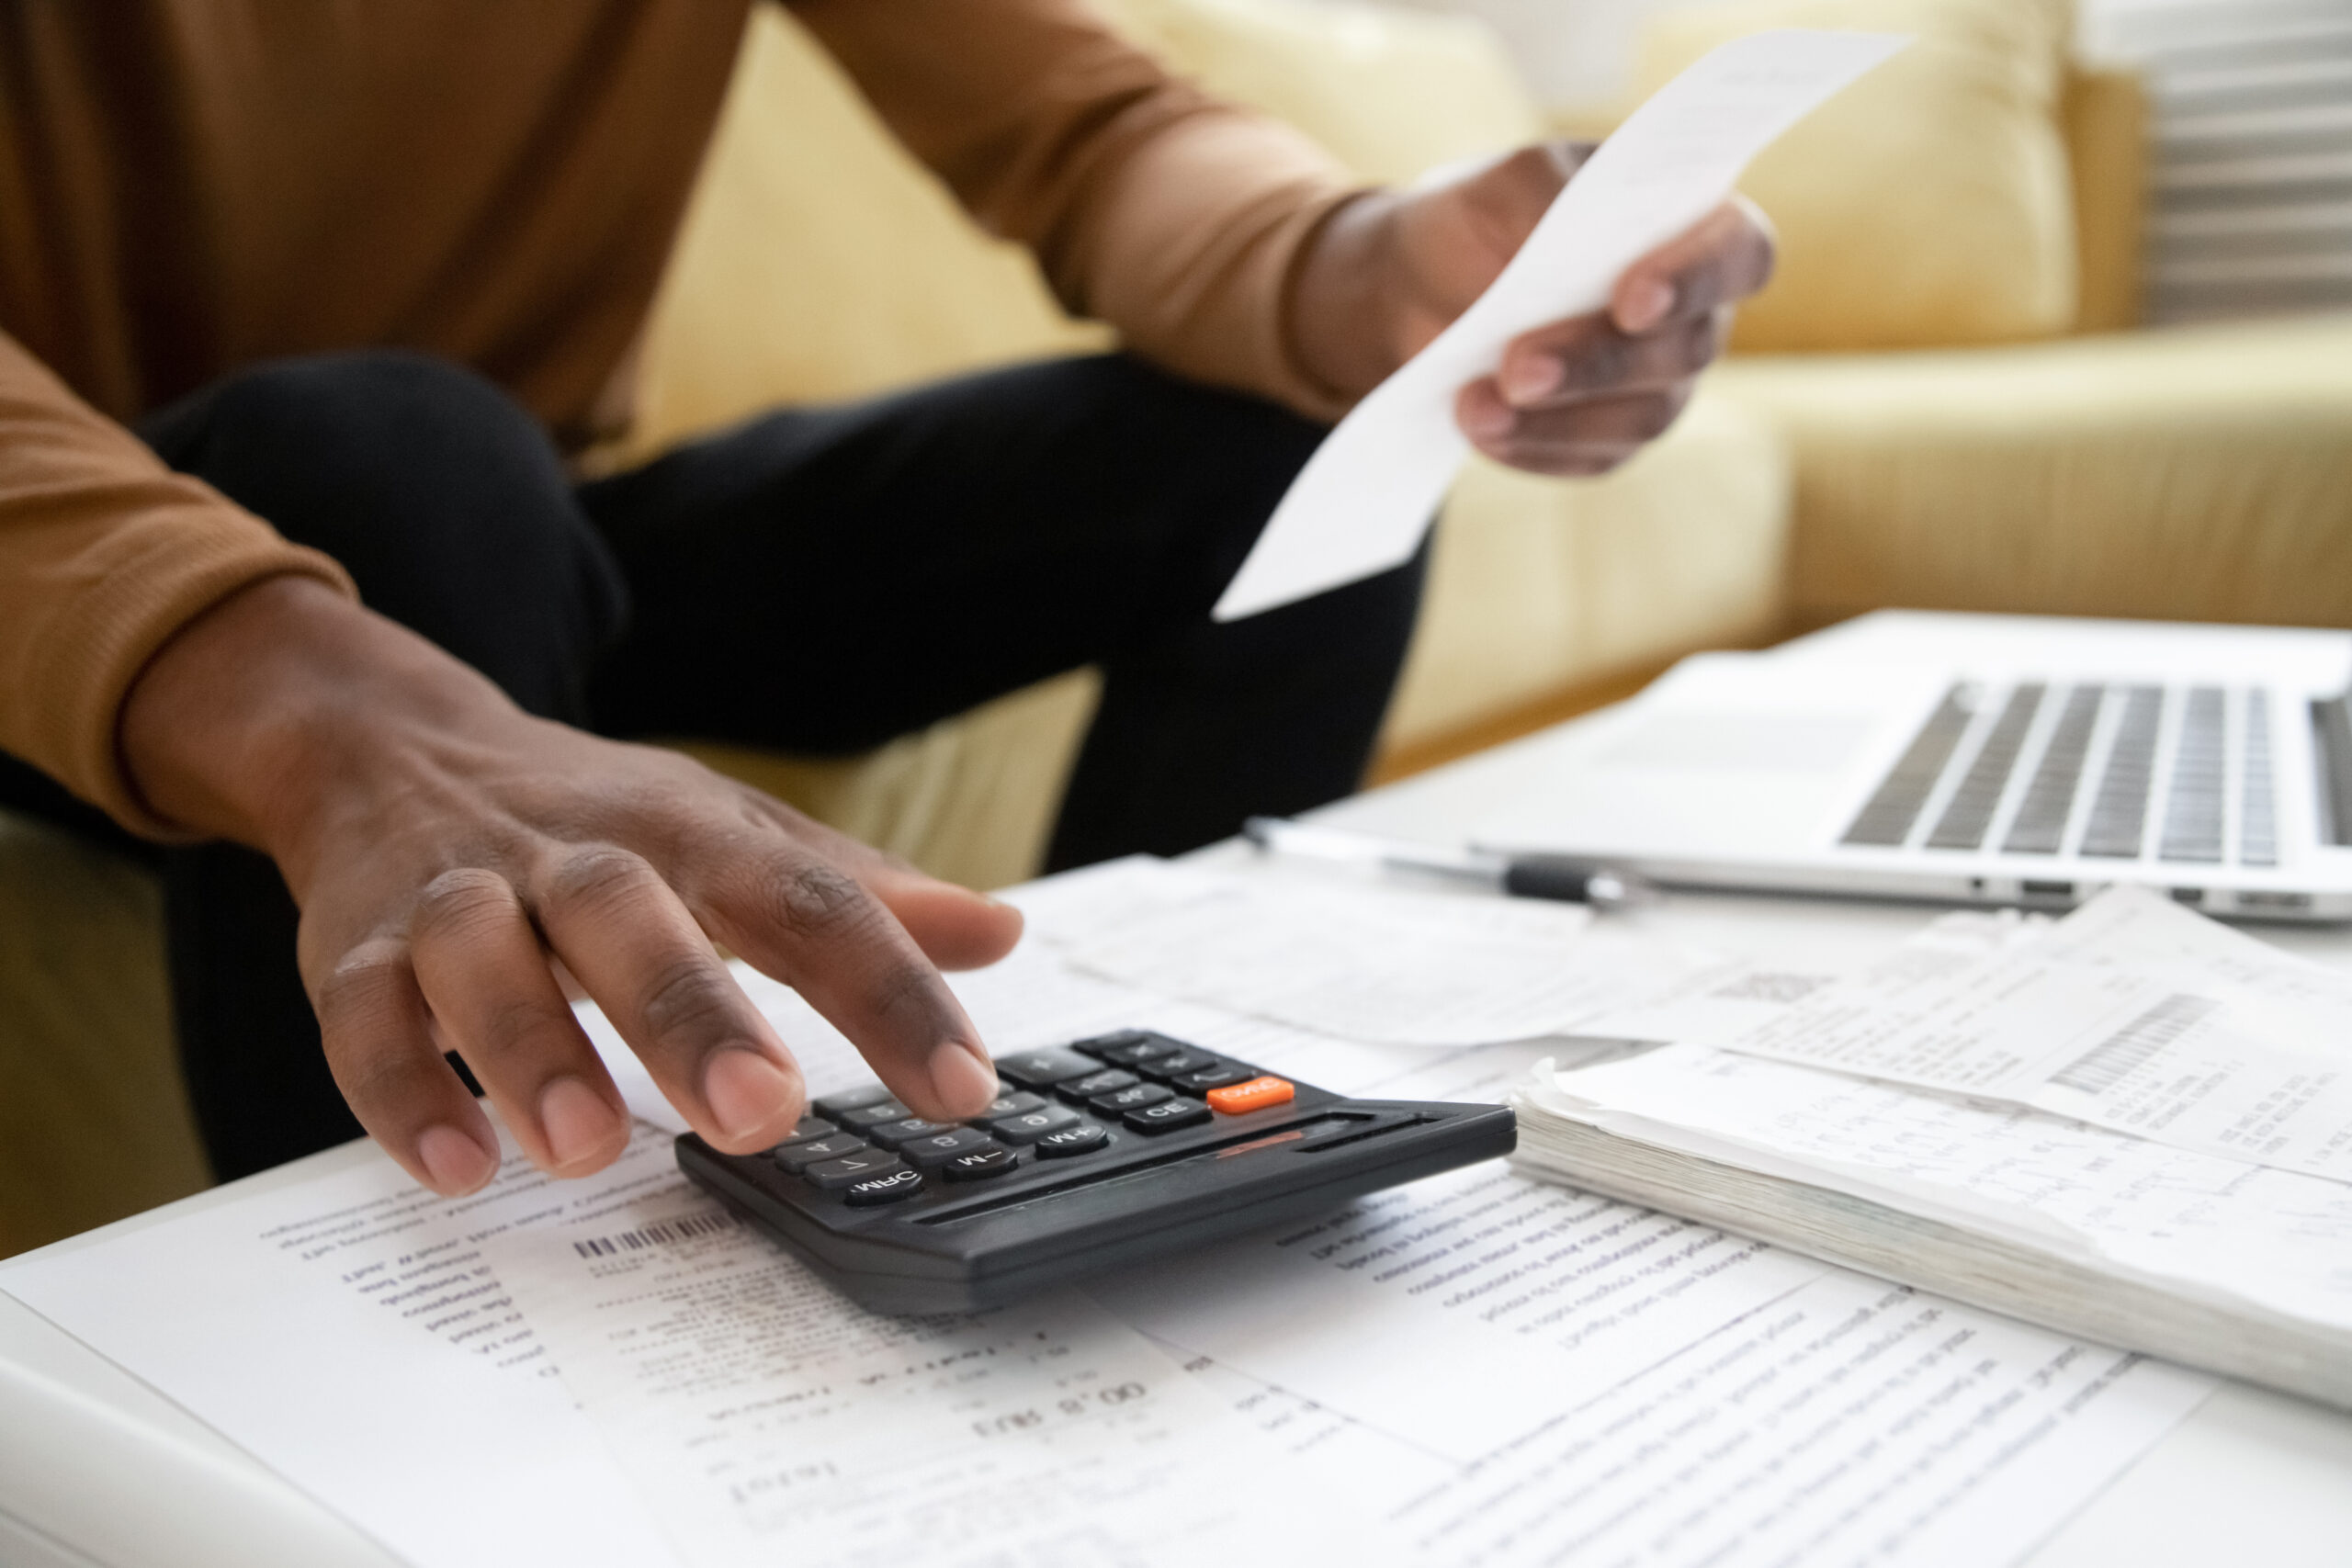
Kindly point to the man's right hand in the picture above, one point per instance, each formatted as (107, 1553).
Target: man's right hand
(445, 847)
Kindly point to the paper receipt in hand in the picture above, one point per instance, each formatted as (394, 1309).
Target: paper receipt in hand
(1363, 501)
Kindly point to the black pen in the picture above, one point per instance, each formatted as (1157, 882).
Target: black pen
(1525, 877)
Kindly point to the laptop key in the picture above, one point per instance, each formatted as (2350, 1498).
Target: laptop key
(1968, 816)
(2119, 811)
(2193, 813)
(2258, 802)
(2039, 828)
(1885, 821)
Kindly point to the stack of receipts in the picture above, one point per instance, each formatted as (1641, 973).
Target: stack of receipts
(2135, 1124)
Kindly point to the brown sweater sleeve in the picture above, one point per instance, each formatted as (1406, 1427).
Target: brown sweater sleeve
(104, 554)
(1174, 217)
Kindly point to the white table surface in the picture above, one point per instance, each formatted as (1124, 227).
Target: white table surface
(2253, 1477)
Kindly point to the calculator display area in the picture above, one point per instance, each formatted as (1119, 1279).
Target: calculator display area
(1096, 1155)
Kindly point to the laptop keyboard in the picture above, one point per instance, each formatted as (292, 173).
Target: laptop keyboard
(2044, 768)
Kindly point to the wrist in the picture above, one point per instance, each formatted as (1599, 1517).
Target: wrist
(256, 717)
(1345, 304)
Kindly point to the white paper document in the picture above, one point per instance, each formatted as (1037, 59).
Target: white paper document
(350, 1332)
(1507, 1371)
(765, 1419)
(2238, 1234)
(1481, 1367)
(1360, 961)
(2131, 1013)
(1364, 499)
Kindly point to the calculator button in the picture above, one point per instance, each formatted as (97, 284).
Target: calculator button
(980, 1164)
(1023, 1105)
(1093, 1084)
(1255, 1095)
(833, 1174)
(1128, 1046)
(1030, 1126)
(1082, 1139)
(940, 1147)
(797, 1158)
(809, 1131)
(1224, 1073)
(1011, 1104)
(1167, 1115)
(1043, 1070)
(833, 1107)
(1176, 1064)
(1133, 1098)
(878, 1114)
(900, 1183)
(899, 1134)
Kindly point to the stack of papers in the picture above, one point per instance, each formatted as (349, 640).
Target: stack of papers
(2135, 1124)
(1479, 1367)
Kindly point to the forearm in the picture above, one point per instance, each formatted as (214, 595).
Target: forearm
(105, 556)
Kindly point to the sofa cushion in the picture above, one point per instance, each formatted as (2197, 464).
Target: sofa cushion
(2188, 473)
(1540, 585)
(1928, 203)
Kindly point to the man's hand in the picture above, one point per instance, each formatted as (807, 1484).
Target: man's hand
(446, 849)
(1391, 269)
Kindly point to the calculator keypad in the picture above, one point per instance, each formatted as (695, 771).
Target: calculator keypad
(1066, 1103)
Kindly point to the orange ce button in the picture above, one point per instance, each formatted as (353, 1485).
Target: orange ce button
(1255, 1095)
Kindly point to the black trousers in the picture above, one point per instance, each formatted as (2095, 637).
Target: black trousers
(817, 580)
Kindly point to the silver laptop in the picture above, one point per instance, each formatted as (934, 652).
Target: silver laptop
(1976, 758)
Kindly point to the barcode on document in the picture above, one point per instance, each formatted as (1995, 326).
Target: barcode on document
(654, 1234)
(2104, 1065)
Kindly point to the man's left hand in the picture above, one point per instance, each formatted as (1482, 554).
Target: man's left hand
(1392, 269)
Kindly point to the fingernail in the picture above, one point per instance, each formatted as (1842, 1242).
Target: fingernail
(1488, 422)
(456, 1163)
(578, 1123)
(746, 1092)
(1647, 301)
(962, 1077)
(1524, 380)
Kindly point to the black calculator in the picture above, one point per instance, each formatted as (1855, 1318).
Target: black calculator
(1096, 1155)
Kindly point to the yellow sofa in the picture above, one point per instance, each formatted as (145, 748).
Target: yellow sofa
(2202, 474)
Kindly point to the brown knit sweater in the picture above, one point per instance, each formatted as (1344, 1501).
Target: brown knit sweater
(190, 186)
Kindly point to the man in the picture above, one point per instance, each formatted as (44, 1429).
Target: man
(338, 621)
